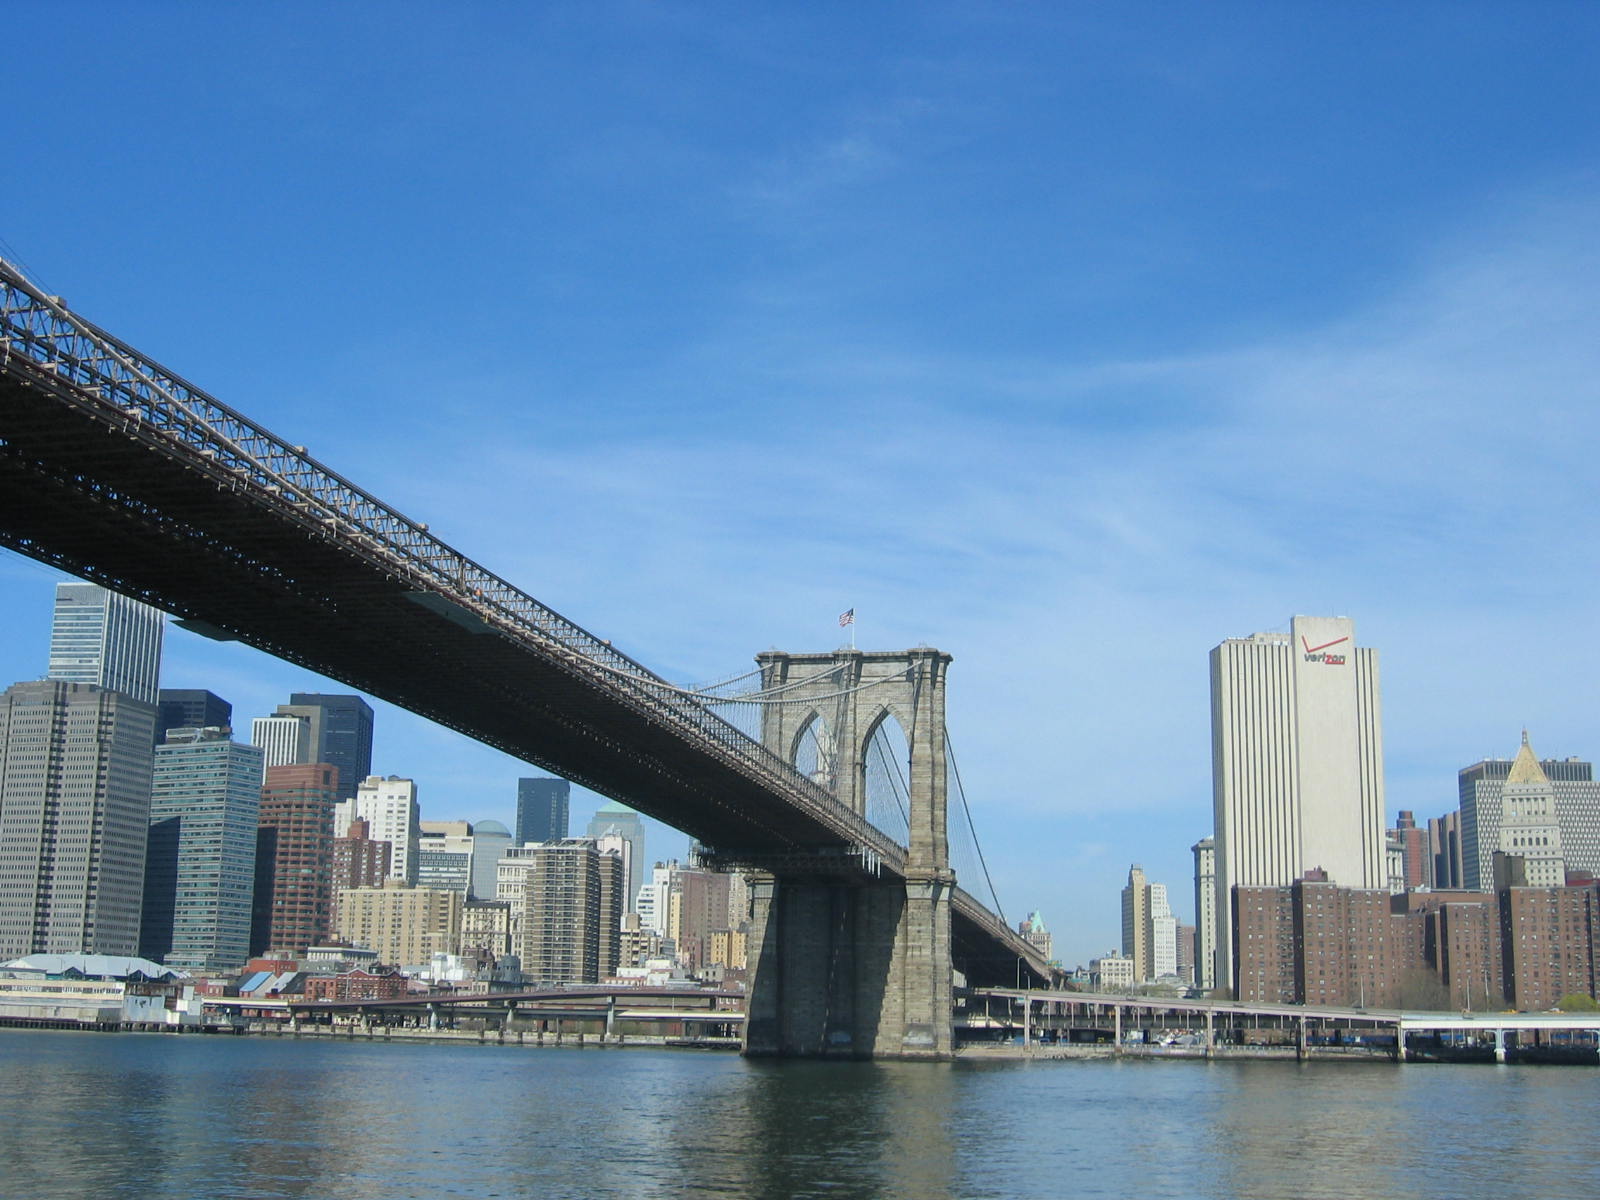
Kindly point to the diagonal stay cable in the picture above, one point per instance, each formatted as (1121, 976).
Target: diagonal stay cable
(955, 769)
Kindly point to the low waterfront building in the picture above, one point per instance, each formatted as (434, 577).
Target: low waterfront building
(97, 990)
(1112, 973)
(334, 960)
(652, 973)
(357, 985)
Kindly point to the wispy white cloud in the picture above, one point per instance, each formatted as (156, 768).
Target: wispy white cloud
(862, 146)
(1079, 533)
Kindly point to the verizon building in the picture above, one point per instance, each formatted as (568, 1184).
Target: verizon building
(1297, 763)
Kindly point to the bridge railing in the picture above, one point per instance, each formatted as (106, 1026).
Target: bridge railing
(41, 337)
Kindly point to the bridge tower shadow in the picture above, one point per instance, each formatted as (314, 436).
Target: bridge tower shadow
(856, 967)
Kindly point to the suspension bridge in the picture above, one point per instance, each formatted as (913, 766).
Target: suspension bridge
(833, 796)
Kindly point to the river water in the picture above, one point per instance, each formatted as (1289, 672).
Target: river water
(96, 1115)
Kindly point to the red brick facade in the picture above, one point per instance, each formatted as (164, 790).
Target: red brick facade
(294, 868)
(356, 985)
(1316, 943)
(1548, 941)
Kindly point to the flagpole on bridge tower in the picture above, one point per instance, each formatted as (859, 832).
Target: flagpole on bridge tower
(849, 618)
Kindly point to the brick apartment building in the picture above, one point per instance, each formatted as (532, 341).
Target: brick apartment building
(1316, 943)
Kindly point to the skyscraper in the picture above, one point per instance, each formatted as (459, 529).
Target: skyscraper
(542, 810)
(697, 906)
(1528, 825)
(1444, 838)
(1416, 857)
(406, 925)
(1297, 763)
(359, 861)
(389, 807)
(1163, 934)
(1482, 791)
(190, 708)
(294, 858)
(340, 733)
(1036, 934)
(335, 730)
(568, 914)
(1205, 913)
(444, 855)
(101, 637)
(74, 814)
(283, 740)
(1136, 923)
(490, 841)
(200, 870)
(1149, 930)
(618, 820)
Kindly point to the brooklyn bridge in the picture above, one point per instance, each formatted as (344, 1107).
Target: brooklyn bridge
(120, 471)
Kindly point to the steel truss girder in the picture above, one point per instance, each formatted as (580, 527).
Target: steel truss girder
(47, 351)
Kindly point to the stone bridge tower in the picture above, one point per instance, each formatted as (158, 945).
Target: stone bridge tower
(853, 968)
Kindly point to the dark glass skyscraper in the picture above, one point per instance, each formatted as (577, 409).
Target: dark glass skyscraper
(542, 810)
(340, 734)
(199, 869)
(190, 708)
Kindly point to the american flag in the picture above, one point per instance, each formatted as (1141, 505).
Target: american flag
(847, 618)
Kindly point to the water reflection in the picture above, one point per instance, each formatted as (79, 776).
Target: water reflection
(102, 1115)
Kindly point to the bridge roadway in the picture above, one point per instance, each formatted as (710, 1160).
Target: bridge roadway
(120, 472)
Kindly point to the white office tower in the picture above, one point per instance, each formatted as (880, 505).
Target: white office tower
(283, 740)
(101, 637)
(1149, 930)
(1297, 763)
(389, 807)
(1205, 913)
(444, 856)
(1163, 934)
(654, 898)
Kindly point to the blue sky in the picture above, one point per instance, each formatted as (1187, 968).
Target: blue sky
(1070, 339)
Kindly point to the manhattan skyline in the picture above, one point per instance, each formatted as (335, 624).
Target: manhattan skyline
(1071, 344)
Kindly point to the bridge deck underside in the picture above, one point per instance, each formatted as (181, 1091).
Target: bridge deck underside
(159, 523)
(101, 504)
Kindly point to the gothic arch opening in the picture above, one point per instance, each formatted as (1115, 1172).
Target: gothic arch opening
(812, 753)
(885, 767)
